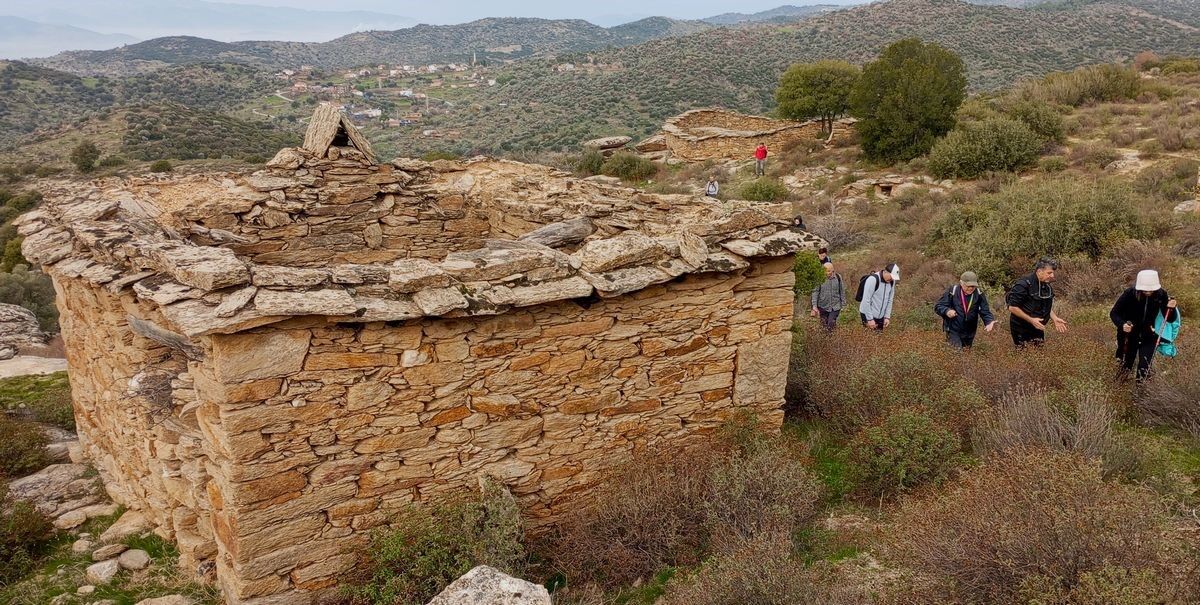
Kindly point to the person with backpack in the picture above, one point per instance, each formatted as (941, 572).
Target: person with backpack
(823, 255)
(961, 307)
(876, 292)
(829, 298)
(712, 188)
(1137, 313)
(760, 159)
(1031, 303)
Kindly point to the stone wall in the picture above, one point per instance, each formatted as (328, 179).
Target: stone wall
(322, 430)
(306, 434)
(126, 390)
(718, 134)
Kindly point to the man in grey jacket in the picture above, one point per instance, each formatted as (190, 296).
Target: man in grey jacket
(829, 298)
(878, 292)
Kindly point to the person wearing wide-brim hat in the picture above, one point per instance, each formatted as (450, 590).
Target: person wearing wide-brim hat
(961, 307)
(1135, 315)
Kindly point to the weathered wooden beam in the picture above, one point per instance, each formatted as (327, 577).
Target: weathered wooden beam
(167, 338)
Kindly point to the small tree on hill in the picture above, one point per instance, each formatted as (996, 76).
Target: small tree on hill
(906, 99)
(818, 90)
(84, 156)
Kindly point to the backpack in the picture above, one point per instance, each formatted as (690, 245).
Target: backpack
(862, 285)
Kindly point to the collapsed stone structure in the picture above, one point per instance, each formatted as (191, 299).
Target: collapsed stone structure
(720, 134)
(266, 365)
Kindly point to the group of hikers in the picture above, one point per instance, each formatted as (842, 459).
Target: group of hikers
(760, 169)
(1146, 317)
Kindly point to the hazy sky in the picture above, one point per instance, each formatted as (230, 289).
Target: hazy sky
(608, 12)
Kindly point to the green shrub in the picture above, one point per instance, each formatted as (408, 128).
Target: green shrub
(22, 447)
(763, 189)
(906, 99)
(1053, 163)
(1180, 65)
(84, 156)
(818, 90)
(629, 166)
(111, 161)
(809, 273)
(996, 144)
(1041, 118)
(1027, 517)
(1094, 155)
(47, 397)
(1092, 84)
(24, 535)
(161, 166)
(590, 162)
(905, 450)
(1172, 180)
(1106, 586)
(440, 155)
(1000, 234)
(430, 546)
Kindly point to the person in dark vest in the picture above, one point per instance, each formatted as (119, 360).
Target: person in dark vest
(1031, 303)
(961, 307)
(1135, 315)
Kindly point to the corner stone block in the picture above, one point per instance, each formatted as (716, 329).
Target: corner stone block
(275, 354)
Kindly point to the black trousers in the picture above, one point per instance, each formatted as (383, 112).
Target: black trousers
(959, 340)
(878, 322)
(1135, 349)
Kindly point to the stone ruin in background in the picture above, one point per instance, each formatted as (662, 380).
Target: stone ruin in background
(266, 365)
(719, 134)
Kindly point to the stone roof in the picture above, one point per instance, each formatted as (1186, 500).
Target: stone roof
(307, 236)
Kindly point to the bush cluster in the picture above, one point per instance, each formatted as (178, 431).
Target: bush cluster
(1091, 84)
(906, 449)
(1000, 234)
(32, 290)
(671, 510)
(22, 447)
(430, 546)
(995, 144)
(24, 535)
(629, 167)
(763, 189)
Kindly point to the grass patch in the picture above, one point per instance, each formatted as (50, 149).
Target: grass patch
(648, 593)
(46, 398)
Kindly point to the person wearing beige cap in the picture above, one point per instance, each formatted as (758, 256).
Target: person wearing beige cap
(961, 307)
(1135, 314)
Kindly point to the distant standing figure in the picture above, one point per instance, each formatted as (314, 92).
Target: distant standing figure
(1031, 303)
(829, 298)
(760, 159)
(878, 292)
(823, 255)
(960, 308)
(1135, 315)
(712, 188)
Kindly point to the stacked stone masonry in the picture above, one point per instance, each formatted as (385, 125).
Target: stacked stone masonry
(719, 134)
(268, 365)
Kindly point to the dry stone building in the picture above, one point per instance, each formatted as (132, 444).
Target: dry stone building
(719, 134)
(267, 364)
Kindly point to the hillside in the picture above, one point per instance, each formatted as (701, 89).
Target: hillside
(739, 68)
(24, 38)
(498, 39)
(780, 13)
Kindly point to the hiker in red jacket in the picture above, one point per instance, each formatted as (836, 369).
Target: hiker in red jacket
(760, 159)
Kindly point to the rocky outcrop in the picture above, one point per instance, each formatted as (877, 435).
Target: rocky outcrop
(491, 586)
(720, 134)
(18, 329)
(607, 145)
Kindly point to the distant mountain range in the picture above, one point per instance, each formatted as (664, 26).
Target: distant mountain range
(24, 38)
(778, 14)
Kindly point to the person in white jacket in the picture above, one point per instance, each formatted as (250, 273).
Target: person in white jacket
(878, 292)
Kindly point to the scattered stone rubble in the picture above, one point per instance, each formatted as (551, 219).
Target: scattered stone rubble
(265, 365)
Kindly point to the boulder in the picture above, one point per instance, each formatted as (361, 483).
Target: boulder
(605, 143)
(657, 142)
(131, 523)
(58, 489)
(85, 590)
(105, 553)
(19, 327)
(103, 572)
(81, 546)
(174, 599)
(134, 559)
(489, 585)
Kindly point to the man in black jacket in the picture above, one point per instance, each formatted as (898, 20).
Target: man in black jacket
(1134, 314)
(960, 308)
(1031, 303)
